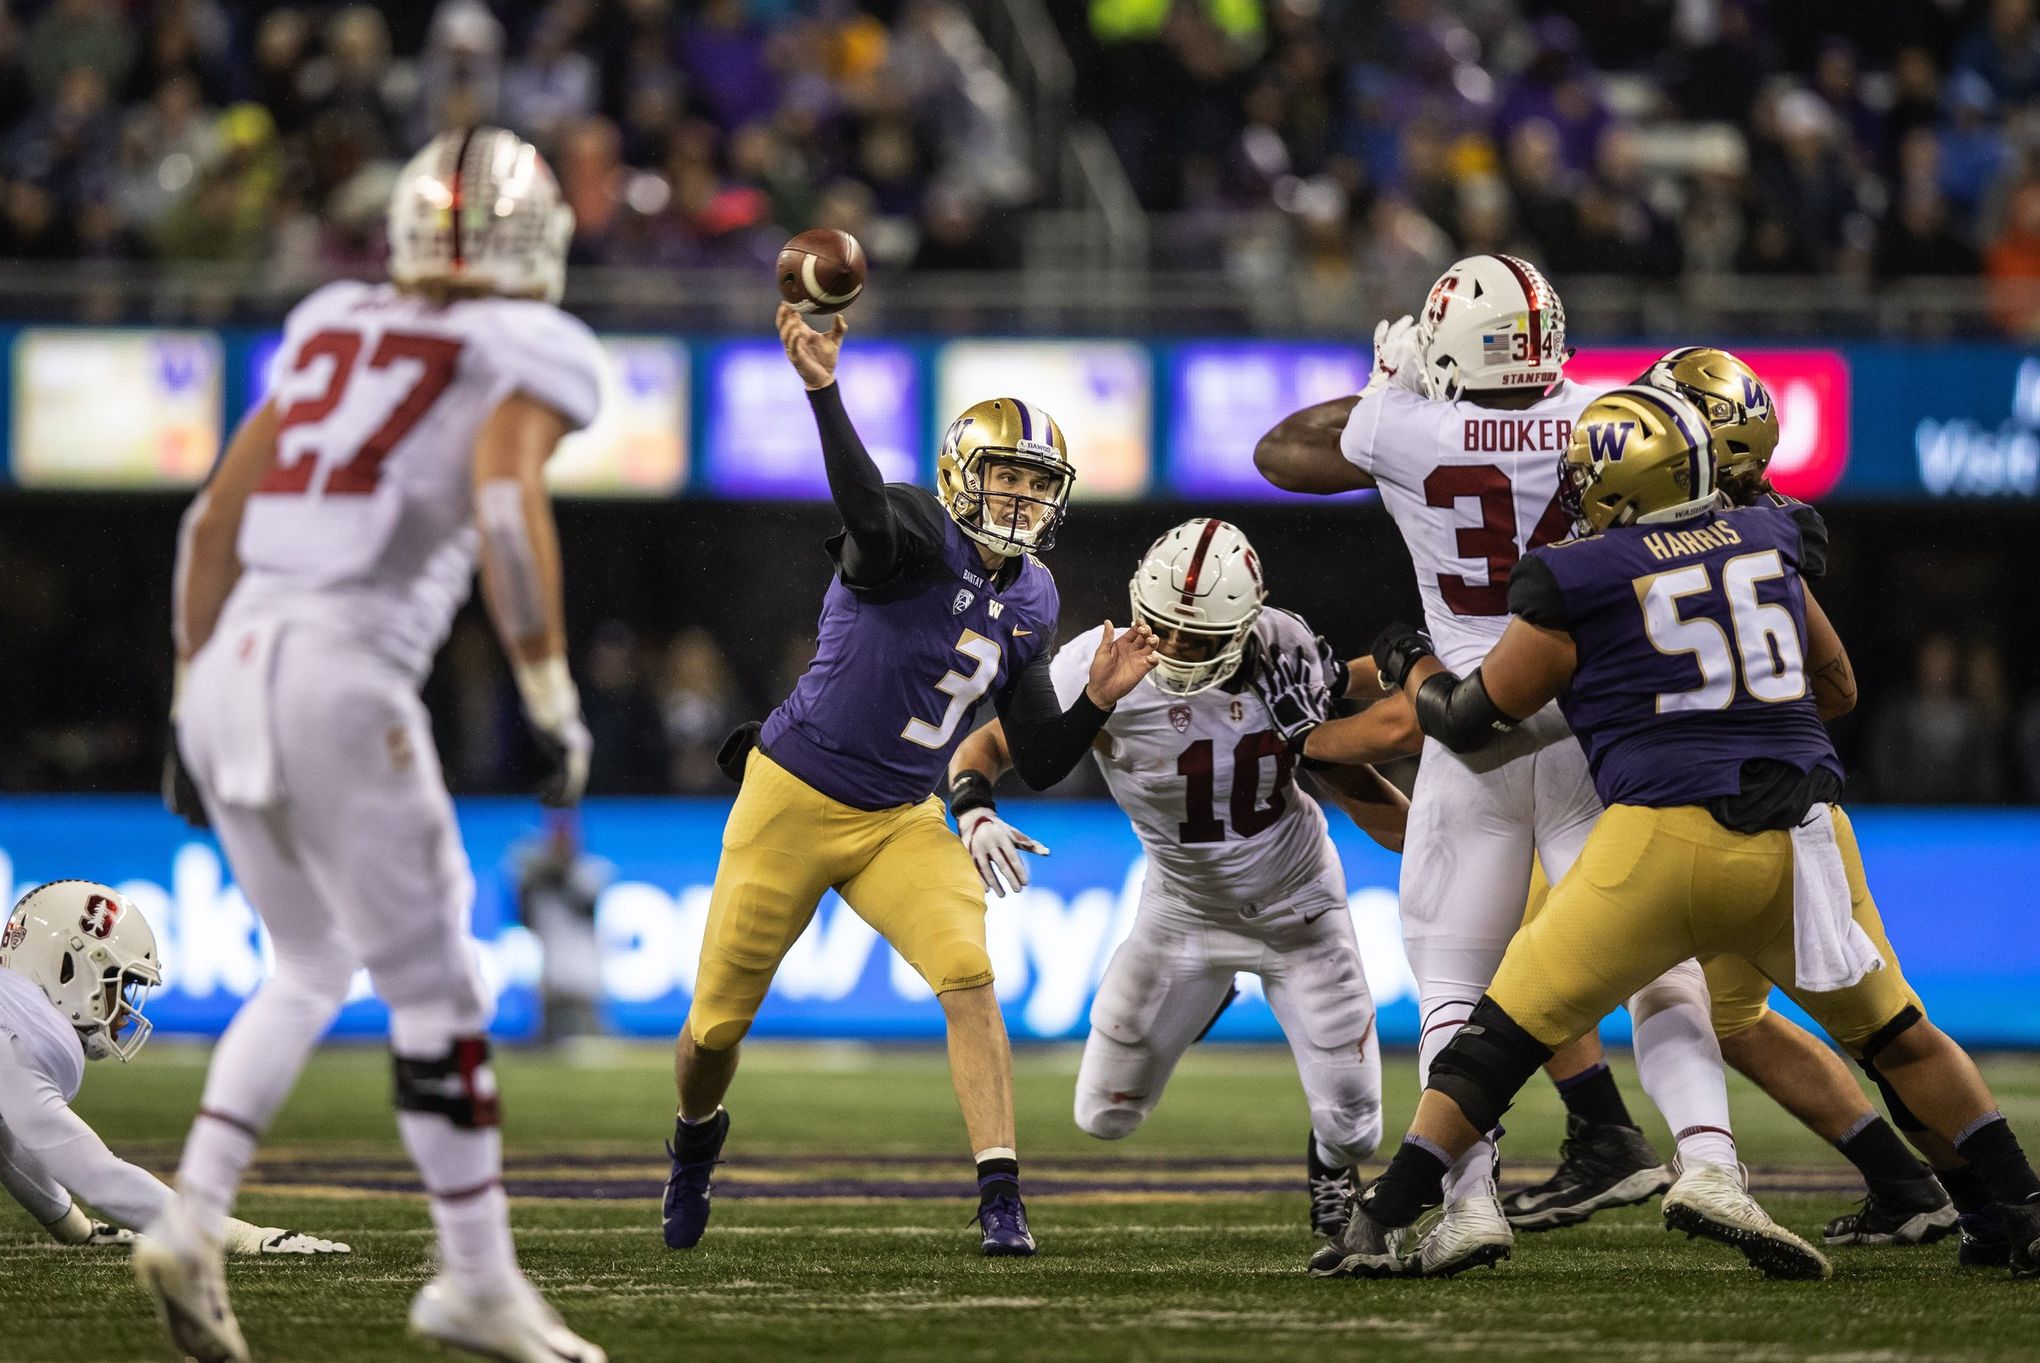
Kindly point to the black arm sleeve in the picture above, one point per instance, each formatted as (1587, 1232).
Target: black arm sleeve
(1046, 741)
(1813, 541)
(1457, 712)
(884, 528)
(1535, 595)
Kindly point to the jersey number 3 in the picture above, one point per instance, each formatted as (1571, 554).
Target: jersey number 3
(360, 470)
(963, 691)
(1493, 540)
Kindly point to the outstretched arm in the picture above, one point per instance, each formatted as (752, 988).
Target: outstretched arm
(1301, 454)
(1368, 798)
(1527, 668)
(1046, 741)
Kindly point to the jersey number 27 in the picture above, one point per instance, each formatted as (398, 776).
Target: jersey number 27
(358, 470)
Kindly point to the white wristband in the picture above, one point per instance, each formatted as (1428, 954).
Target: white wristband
(548, 691)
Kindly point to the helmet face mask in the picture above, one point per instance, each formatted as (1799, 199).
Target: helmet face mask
(1638, 456)
(1199, 589)
(94, 957)
(986, 475)
(479, 209)
(1738, 407)
(1491, 323)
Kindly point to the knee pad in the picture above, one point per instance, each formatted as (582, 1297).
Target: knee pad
(1485, 1063)
(956, 963)
(434, 1028)
(1681, 985)
(1108, 1121)
(722, 1034)
(1352, 1131)
(456, 1084)
(1908, 1017)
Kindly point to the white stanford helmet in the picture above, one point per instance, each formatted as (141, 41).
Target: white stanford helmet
(1490, 322)
(93, 954)
(1202, 581)
(481, 207)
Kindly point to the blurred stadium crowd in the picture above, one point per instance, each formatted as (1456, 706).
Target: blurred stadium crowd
(1342, 138)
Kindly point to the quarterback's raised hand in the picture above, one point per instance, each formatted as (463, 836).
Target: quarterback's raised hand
(1294, 691)
(995, 846)
(812, 353)
(1120, 663)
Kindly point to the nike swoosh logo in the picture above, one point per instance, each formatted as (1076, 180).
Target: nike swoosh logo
(1018, 632)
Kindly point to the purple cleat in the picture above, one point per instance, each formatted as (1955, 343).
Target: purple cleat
(1004, 1222)
(685, 1212)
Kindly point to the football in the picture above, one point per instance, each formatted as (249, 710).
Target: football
(821, 271)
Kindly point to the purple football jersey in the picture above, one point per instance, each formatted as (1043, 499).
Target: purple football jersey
(901, 669)
(1692, 644)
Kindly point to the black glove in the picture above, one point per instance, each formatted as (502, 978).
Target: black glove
(736, 750)
(566, 750)
(180, 792)
(1397, 649)
(1297, 698)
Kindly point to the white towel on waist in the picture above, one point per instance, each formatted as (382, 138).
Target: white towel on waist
(241, 758)
(1829, 950)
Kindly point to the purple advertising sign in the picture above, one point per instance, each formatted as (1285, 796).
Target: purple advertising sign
(1223, 396)
(760, 437)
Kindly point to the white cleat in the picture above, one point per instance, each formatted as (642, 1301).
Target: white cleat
(189, 1288)
(517, 1328)
(1471, 1231)
(1711, 1200)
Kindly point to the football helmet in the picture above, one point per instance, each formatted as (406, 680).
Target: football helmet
(93, 954)
(1003, 431)
(1638, 456)
(1738, 408)
(1490, 322)
(1199, 589)
(480, 207)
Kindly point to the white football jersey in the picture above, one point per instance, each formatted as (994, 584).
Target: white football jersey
(1208, 782)
(366, 525)
(44, 1042)
(1470, 489)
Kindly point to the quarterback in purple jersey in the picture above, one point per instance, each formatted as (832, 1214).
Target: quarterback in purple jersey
(1680, 639)
(938, 602)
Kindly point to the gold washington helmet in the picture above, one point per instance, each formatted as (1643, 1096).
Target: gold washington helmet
(1000, 431)
(1638, 455)
(1738, 408)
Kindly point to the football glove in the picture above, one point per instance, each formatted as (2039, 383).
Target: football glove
(1397, 649)
(242, 1238)
(1296, 695)
(995, 847)
(553, 709)
(1396, 362)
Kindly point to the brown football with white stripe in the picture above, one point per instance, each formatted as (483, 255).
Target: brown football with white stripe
(821, 271)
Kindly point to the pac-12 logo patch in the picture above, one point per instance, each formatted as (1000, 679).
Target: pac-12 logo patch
(1179, 715)
(14, 934)
(99, 916)
(964, 596)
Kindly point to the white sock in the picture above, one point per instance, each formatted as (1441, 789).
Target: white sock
(462, 1170)
(1679, 1061)
(1471, 1171)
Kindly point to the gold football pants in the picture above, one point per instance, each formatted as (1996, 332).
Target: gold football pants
(902, 870)
(1653, 887)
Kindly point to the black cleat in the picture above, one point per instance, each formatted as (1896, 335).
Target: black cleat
(1600, 1166)
(1985, 1241)
(1363, 1248)
(1331, 1189)
(1915, 1212)
(2022, 1232)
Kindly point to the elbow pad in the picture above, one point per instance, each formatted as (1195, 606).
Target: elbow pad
(1457, 712)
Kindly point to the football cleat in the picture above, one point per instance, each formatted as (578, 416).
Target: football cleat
(1470, 1232)
(1710, 1200)
(518, 1327)
(1600, 1165)
(1914, 1212)
(1004, 1223)
(1985, 1241)
(684, 1213)
(1331, 1188)
(189, 1288)
(1363, 1248)
(2022, 1231)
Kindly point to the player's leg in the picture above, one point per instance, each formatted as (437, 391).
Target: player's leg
(1160, 990)
(776, 865)
(1804, 1076)
(1622, 919)
(1316, 986)
(1880, 1021)
(920, 891)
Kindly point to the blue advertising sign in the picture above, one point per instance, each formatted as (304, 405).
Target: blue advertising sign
(1974, 959)
(759, 437)
(1222, 396)
(1949, 421)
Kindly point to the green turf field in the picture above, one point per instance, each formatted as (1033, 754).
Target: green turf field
(840, 1231)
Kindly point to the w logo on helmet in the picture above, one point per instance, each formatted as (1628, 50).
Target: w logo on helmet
(1606, 440)
(1755, 397)
(99, 917)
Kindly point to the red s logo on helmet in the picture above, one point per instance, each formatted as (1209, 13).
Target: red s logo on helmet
(1441, 293)
(100, 915)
